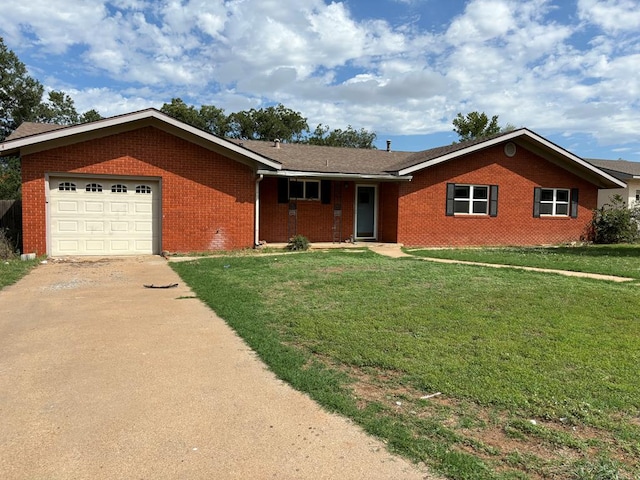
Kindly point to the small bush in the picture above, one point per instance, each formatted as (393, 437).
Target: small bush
(298, 243)
(7, 248)
(615, 222)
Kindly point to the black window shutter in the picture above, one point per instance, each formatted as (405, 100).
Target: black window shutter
(451, 192)
(537, 193)
(574, 203)
(325, 191)
(493, 201)
(283, 190)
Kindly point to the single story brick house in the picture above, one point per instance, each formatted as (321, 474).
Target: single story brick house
(143, 183)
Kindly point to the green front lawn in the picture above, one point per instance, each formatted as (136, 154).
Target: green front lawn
(621, 260)
(480, 373)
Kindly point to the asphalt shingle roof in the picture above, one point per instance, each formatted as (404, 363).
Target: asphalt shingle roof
(314, 158)
(622, 166)
(295, 157)
(26, 129)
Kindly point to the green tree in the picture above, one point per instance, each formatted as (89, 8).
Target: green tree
(350, 137)
(59, 109)
(215, 121)
(268, 124)
(20, 94)
(475, 126)
(183, 112)
(90, 116)
(209, 118)
(10, 180)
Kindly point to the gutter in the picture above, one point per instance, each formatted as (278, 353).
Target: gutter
(335, 176)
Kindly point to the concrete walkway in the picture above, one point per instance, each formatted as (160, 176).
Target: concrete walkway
(101, 378)
(394, 250)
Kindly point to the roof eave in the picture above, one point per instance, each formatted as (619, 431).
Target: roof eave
(518, 134)
(151, 116)
(335, 175)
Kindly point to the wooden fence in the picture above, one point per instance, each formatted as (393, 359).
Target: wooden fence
(11, 220)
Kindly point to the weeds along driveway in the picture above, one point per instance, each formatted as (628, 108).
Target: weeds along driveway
(103, 378)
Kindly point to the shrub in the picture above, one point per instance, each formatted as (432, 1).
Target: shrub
(615, 223)
(7, 248)
(298, 243)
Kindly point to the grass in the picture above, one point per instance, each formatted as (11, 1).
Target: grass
(13, 270)
(536, 373)
(621, 260)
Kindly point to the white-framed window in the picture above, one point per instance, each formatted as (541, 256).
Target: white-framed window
(118, 188)
(468, 199)
(67, 187)
(471, 199)
(304, 189)
(143, 189)
(554, 201)
(93, 187)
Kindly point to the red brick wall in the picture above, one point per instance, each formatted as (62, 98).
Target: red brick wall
(314, 219)
(388, 212)
(422, 203)
(207, 199)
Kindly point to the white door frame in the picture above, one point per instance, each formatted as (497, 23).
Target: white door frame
(375, 211)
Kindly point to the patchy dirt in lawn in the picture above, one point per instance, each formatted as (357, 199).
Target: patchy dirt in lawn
(489, 433)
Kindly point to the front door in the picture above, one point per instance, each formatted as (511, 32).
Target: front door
(366, 212)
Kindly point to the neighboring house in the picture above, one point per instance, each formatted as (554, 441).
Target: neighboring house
(143, 182)
(628, 172)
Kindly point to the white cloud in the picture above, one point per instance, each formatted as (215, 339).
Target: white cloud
(611, 15)
(482, 20)
(516, 59)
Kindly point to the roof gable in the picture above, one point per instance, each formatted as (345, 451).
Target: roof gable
(39, 137)
(522, 137)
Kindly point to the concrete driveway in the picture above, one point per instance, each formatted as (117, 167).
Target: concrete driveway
(103, 378)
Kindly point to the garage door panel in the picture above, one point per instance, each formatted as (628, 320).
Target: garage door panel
(119, 245)
(68, 226)
(92, 206)
(143, 227)
(143, 208)
(91, 226)
(118, 207)
(94, 220)
(119, 227)
(67, 206)
(68, 246)
(95, 246)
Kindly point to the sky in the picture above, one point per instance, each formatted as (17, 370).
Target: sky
(567, 69)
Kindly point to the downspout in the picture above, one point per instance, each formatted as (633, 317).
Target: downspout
(256, 240)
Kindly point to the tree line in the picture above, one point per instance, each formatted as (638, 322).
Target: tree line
(270, 123)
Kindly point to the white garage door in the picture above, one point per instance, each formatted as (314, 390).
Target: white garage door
(103, 216)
